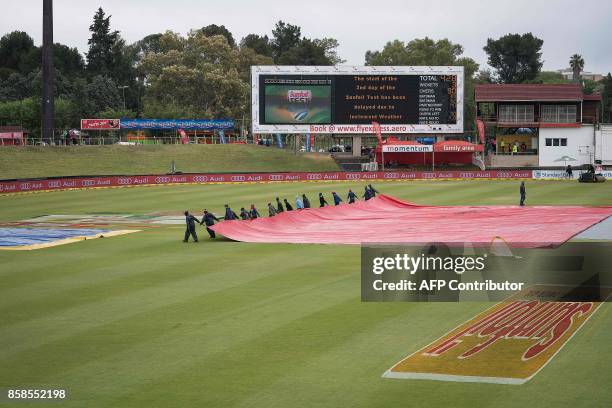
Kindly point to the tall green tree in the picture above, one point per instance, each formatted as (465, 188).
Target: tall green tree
(110, 58)
(198, 76)
(306, 52)
(213, 29)
(330, 49)
(290, 48)
(102, 94)
(427, 51)
(102, 45)
(515, 58)
(68, 60)
(260, 44)
(285, 37)
(424, 51)
(576, 63)
(14, 50)
(148, 44)
(17, 86)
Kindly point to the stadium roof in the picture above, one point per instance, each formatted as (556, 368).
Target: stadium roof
(528, 92)
(592, 97)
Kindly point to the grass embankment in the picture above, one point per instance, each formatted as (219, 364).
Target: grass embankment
(50, 161)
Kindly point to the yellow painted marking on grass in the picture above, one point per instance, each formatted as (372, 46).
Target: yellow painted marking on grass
(506, 344)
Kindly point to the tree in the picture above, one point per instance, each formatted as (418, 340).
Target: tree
(213, 29)
(330, 49)
(548, 77)
(577, 65)
(247, 58)
(16, 87)
(14, 48)
(65, 59)
(427, 51)
(102, 45)
(260, 44)
(288, 47)
(109, 57)
(285, 37)
(516, 58)
(590, 87)
(148, 44)
(25, 112)
(484, 76)
(21, 86)
(102, 94)
(307, 52)
(199, 76)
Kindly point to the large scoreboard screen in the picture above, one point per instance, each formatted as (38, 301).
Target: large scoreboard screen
(310, 99)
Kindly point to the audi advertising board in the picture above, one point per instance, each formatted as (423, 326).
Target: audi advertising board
(346, 100)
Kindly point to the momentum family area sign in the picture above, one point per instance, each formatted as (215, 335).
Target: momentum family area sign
(346, 100)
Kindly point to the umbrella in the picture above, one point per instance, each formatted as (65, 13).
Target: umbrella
(565, 159)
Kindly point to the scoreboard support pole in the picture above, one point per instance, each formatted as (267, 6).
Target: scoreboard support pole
(433, 160)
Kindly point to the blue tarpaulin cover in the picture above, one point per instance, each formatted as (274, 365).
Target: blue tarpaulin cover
(10, 237)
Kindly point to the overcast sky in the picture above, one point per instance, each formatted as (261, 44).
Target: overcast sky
(567, 27)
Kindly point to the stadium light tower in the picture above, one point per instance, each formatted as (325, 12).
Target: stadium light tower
(123, 87)
(48, 103)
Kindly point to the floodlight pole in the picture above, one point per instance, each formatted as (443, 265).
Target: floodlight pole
(48, 104)
(123, 91)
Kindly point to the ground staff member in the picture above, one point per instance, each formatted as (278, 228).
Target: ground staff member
(299, 204)
(351, 197)
(209, 219)
(306, 201)
(279, 206)
(229, 213)
(523, 192)
(322, 200)
(373, 191)
(336, 197)
(244, 214)
(190, 221)
(253, 213)
(271, 210)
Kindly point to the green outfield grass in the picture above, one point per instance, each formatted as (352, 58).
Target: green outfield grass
(145, 320)
(48, 161)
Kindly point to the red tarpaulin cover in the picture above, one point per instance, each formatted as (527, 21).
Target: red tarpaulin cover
(385, 219)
